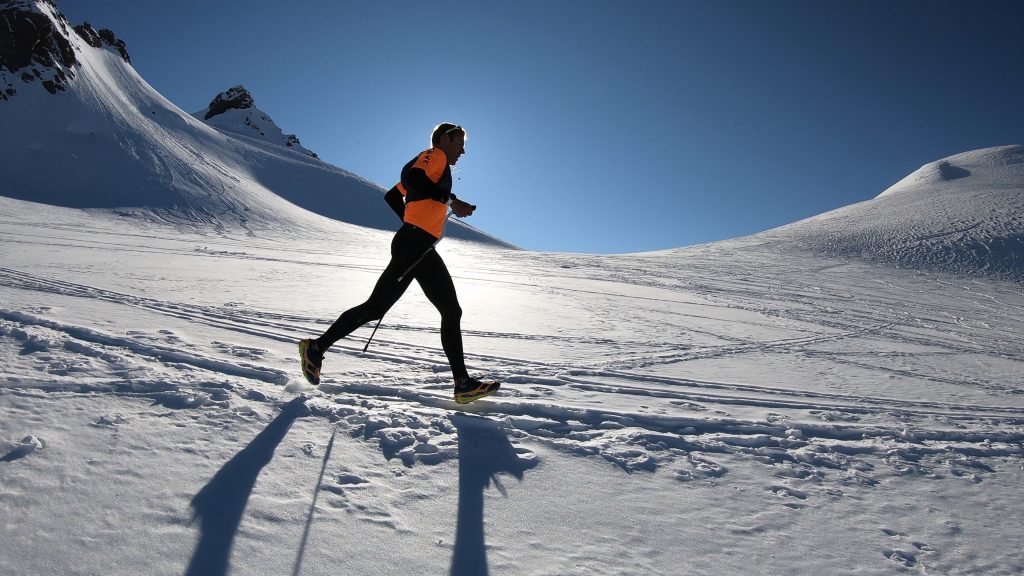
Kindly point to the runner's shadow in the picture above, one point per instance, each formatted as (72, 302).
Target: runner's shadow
(218, 506)
(484, 452)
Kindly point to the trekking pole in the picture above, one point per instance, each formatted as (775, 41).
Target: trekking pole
(406, 273)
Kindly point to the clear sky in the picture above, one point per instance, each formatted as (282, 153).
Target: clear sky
(608, 126)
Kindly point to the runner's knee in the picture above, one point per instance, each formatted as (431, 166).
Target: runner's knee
(452, 312)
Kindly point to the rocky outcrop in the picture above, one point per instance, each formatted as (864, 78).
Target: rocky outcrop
(235, 98)
(101, 38)
(235, 111)
(38, 49)
(35, 46)
(292, 141)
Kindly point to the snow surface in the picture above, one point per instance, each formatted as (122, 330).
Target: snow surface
(963, 214)
(714, 413)
(788, 403)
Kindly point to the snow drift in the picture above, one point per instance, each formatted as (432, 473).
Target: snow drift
(81, 129)
(962, 214)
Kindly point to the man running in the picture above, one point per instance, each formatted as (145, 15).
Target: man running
(426, 185)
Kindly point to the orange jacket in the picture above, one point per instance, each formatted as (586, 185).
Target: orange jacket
(427, 187)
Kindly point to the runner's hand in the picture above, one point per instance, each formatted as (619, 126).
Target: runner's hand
(462, 209)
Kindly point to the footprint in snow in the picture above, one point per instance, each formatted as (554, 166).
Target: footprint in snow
(181, 399)
(895, 535)
(34, 344)
(901, 557)
(343, 481)
(351, 480)
(240, 351)
(28, 445)
(786, 492)
(109, 421)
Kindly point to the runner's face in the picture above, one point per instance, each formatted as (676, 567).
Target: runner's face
(454, 145)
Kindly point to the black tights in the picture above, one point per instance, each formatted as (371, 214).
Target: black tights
(409, 244)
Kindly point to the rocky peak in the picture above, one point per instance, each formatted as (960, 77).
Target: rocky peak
(235, 98)
(235, 111)
(38, 49)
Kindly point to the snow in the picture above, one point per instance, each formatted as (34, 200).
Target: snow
(660, 414)
(961, 214)
(787, 403)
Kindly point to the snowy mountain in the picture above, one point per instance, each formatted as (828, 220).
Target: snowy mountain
(962, 214)
(73, 101)
(233, 111)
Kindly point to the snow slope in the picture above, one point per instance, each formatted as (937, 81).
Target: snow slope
(963, 214)
(121, 145)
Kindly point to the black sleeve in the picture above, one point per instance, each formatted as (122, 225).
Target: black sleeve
(397, 203)
(416, 180)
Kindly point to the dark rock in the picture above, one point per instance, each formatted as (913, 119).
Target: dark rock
(103, 37)
(113, 41)
(35, 44)
(89, 34)
(293, 140)
(38, 42)
(236, 98)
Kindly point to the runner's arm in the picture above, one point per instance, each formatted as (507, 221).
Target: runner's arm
(396, 201)
(417, 179)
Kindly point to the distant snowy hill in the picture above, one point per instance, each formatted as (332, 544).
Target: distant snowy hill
(963, 214)
(81, 129)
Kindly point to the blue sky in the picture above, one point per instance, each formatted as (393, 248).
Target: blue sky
(601, 126)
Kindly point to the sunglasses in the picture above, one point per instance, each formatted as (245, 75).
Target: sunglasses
(454, 128)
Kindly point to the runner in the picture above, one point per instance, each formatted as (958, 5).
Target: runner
(426, 187)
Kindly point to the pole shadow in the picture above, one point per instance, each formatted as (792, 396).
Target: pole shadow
(484, 452)
(218, 506)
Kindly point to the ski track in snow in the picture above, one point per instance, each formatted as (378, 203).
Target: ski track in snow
(813, 442)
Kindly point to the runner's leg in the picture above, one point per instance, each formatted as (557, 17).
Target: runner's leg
(405, 249)
(437, 285)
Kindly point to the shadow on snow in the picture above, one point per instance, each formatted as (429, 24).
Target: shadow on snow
(218, 506)
(484, 452)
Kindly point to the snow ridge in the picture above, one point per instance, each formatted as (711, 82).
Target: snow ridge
(963, 214)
